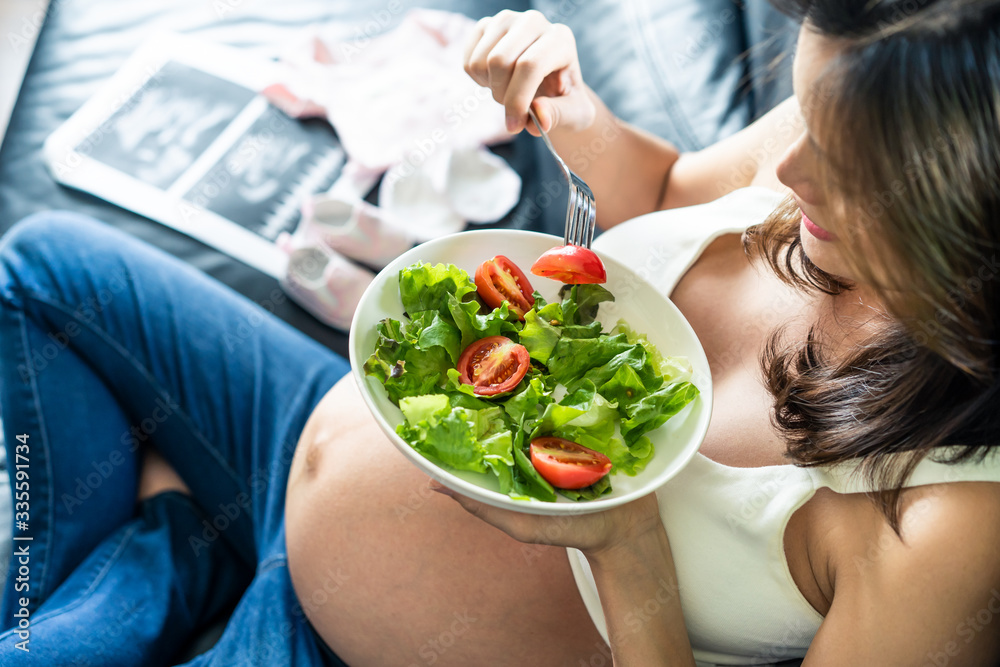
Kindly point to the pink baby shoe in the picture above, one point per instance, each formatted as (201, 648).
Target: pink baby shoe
(325, 283)
(353, 228)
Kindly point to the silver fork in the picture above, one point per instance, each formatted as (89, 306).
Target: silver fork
(581, 211)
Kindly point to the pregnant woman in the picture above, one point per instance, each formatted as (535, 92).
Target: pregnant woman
(843, 506)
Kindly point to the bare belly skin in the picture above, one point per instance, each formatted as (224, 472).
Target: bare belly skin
(391, 573)
(410, 569)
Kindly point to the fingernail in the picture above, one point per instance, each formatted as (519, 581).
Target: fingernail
(511, 124)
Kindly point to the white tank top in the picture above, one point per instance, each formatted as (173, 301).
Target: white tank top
(726, 525)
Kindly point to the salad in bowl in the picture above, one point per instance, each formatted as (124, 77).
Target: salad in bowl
(572, 389)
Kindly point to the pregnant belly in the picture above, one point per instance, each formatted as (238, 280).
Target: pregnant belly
(390, 573)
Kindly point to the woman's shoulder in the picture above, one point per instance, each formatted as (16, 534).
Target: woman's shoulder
(925, 582)
(948, 541)
(949, 529)
(947, 509)
(934, 511)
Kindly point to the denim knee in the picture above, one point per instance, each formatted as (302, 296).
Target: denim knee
(40, 242)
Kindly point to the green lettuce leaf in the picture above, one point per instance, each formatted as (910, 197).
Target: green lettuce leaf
(453, 383)
(583, 407)
(625, 387)
(587, 418)
(473, 326)
(427, 287)
(458, 437)
(525, 405)
(602, 438)
(632, 356)
(595, 490)
(421, 408)
(592, 330)
(580, 302)
(539, 336)
(654, 410)
(402, 366)
(550, 312)
(540, 301)
(673, 369)
(435, 330)
(572, 357)
(528, 481)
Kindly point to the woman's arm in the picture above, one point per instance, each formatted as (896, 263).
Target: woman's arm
(597, 154)
(629, 555)
(525, 60)
(658, 176)
(749, 157)
(637, 584)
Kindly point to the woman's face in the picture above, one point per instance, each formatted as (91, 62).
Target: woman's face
(824, 214)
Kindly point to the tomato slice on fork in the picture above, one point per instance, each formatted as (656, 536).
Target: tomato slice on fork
(571, 264)
(499, 280)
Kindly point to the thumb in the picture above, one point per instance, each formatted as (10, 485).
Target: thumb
(574, 111)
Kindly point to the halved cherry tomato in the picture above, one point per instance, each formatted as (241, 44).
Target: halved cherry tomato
(493, 365)
(499, 280)
(571, 264)
(567, 465)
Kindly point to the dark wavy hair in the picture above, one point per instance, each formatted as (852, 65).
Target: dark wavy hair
(908, 114)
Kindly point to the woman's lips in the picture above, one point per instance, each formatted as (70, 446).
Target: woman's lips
(816, 230)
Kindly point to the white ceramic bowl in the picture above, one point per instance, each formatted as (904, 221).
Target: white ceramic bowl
(637, 302)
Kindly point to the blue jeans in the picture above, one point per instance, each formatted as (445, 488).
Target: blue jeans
(107, 344)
